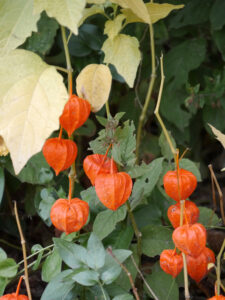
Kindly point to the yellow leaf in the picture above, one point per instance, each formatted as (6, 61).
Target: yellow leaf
(17, 22)
(3, 148)
(93, 10)
(68, 13)
(137, 7)
(113, 27)
(219, 135)
(156, 12)
(96, 1)
(123, 52)
(94, 84)
(32, 96)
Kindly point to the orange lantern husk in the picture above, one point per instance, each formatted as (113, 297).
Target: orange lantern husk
(59, 153)
(113, 189)
(75, 113)
(190, 239)
(15, 296)
(96, 164)
(171, 262)
(217, 297)
(191, 213)
(187, 184)
(197, 267)
(69, 215)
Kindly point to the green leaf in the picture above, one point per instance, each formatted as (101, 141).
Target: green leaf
(208, 217)
(17, 22)
(165, 148)
(67, 13)
(112, 269)
(43, 203)
(36, 171)
(8, 268)
(96, 252)
(3, 254)
(144, 185)
(51, 266)
(189, 165)
(59, 287)
(34, 249)
(155, 239)
(216, 14)
(123, 52)
(90, 11)
(123, 149)
(103, 121)
(72, 254)
(88, 129)
(106, 221)
(148, 214)
(123, 297)
(87, 278)
(181, 59)
(41, 42)
(159, 279)
(2, 183)
(219, 38)
(214, 116)
(3, 284)
(89, 195)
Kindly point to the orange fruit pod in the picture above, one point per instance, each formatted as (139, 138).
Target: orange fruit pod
(59, 153)
(75, 113)
(191, 212)
(217, 297)
(113, 189)
(171, 262)
(96, 164)
(187, 184)
(69, 215)
(198, 266)
(190, 239)
(15, 296)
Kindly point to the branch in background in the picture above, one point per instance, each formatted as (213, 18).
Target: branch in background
(26, 277)
(109, 250)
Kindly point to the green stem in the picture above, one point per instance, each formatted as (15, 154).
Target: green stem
(136, 231)
(10, 245)
(103, 293)
(107, 110)
(68, 62)
(218, 268)
(149, 93)
(42, 250)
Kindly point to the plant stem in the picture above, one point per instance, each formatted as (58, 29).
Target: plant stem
(42, 250)
(218, 268)
(61, 69)
(126, 271)
(149, 92)
(107, 110)
(68, 62)
(103, 293)
(136, 231)
(10, 245)
(156, 112)
(24, 251)
(186, 290)
(142, 277)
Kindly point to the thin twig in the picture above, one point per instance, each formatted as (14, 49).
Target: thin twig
(218, 267)
(24, 251)
(142, 277)
(109, 250)
(156, 112)
(219, 192)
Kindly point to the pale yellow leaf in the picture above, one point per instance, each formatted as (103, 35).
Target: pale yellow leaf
(94, 84)
(17, 22)
(113, 27)
(96, 1)
(219, 135)
(93, 10)
(137, 7)
(3, 148)
(67, 12)
(156, 12)
(123, 52)
(32, 96)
